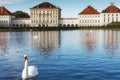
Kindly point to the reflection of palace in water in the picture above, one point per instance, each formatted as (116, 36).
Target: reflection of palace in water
(89, 39)
(46, 40)
(4, 38)
(100, 38)
(111, 40)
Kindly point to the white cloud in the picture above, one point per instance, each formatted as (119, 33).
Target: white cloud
(10, 1)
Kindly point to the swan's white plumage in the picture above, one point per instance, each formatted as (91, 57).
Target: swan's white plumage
(29, 71)
(32, 71)
(35, 37)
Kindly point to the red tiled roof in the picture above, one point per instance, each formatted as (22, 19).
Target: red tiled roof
(111, 9)
(45, 5)
(4, 11)
(89, 10)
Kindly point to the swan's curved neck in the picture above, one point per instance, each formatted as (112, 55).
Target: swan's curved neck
(26, 68)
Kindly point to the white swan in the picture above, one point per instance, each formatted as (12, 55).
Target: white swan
(35, 37)
(28, 71)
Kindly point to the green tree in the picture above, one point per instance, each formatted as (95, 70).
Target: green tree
(114, 24)
(21, 14)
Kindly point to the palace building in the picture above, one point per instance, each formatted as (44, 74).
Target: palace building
(6, 17)
(89, 17)
(110, 14)
(47, 14)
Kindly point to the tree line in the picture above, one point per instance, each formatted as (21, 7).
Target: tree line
(21, 14)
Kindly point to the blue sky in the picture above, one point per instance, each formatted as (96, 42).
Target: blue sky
(70, 8)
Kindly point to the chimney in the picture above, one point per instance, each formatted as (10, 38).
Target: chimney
(112, 3)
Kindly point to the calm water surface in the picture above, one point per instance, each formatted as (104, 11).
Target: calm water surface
(62, 55)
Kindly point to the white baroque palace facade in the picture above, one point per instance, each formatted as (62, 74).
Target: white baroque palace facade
(45, 15)
(69, 22)
(21, 22)
(6, 17)
(49, 15)
(89, 17)
(110, 14)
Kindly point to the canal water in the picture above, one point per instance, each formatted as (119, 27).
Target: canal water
(62, 55)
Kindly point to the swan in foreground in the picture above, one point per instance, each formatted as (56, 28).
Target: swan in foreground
(28, 71)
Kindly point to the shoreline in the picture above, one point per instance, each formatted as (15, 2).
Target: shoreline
(57, 28)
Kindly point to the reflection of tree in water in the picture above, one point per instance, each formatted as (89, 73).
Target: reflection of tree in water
(46, 41)
(4, 37)
(89, 40)
(111, 41)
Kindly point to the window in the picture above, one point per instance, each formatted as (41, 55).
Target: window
(112, 15)
(112, 19)
(104, 15)
(98, 21)
(108, 19)
(116, 15)
(117, 19)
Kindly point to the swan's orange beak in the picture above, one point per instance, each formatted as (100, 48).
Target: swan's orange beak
(25, 58)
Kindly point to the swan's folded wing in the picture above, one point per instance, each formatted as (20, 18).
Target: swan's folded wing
(32, 71)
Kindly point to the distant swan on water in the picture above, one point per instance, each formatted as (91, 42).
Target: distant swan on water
(35, 36)
(28, 71)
